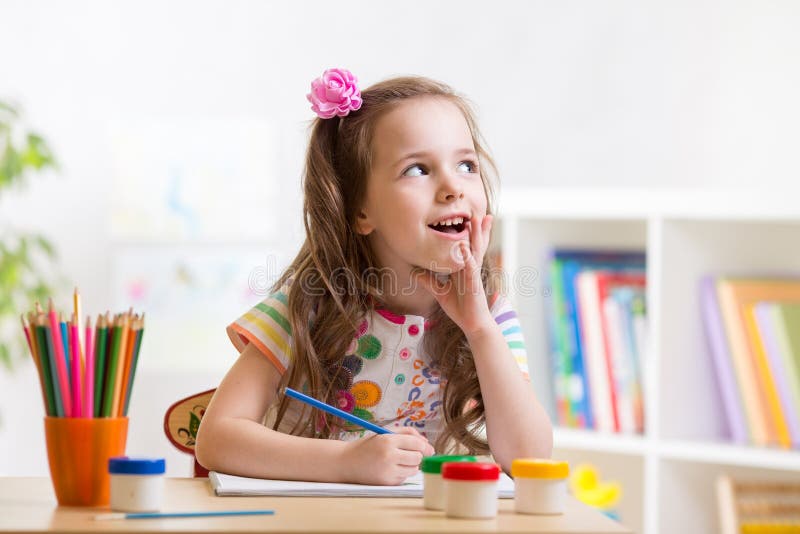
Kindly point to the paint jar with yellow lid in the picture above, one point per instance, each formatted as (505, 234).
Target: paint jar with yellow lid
(540, 485)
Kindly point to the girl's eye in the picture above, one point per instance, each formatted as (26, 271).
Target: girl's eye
(414, 170)
(467, 166)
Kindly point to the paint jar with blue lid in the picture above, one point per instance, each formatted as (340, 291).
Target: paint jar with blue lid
(137, 484)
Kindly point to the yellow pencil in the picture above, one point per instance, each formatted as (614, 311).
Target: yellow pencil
(124, 321)
(128, 363)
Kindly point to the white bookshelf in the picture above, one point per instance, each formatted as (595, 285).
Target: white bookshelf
(668, 473)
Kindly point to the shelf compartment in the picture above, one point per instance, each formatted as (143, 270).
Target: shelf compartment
(527, 280)
(690, 403)
(687, 493)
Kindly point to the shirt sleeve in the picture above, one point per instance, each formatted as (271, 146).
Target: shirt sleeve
(266, 325)
(505, 316)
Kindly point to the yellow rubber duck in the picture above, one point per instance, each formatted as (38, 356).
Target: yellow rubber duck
(587, 488)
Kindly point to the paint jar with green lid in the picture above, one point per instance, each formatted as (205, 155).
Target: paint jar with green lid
(433, 489)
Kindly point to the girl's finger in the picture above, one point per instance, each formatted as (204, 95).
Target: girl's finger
(488, 220)
(470, 273)
(474, 228)
(467, 255)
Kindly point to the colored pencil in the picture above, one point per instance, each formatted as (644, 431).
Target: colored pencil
(88, 386)
(121, 364)
(81, 352)
(31, 322)
(37, 333)
(30, 336)
(162, 515)
(336, 411)
(75, 381)
(130, 344)
(67, 353)
(139, 334)
(27, 335)
(100, 364)
(52, 362)
(56, 350)
(111, 367)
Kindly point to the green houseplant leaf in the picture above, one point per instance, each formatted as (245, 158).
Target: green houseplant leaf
(27, 260)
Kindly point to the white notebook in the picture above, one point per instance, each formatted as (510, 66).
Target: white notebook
(230, 485)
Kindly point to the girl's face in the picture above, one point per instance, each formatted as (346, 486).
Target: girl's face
(423, 187)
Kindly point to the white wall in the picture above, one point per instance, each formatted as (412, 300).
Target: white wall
(623, 93)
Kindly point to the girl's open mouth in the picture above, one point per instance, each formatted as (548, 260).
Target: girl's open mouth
(454, 228)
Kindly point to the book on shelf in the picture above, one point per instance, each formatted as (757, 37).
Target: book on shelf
(624, 318)
(722, 361)
(767, 316)
(759, 356)
(585, 356)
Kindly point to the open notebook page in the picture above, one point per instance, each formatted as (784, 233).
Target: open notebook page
(230, 485)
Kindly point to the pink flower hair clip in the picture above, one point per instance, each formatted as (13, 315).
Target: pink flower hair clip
(334, 93)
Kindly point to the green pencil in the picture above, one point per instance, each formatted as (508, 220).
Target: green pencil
(99, 363)
(51, 356)
(44, 363)
(111, 371)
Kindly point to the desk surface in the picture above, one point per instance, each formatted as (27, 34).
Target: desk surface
(29, 505)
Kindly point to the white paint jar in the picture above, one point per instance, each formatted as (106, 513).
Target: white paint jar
(433, 488)
(470, 489)
(540, 485)
(137, 484)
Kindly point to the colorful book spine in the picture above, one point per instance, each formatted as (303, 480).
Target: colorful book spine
(765, 320)
(619, 365)
(752, 398)
(767, 380)
(786, 322)
(578, 384)
(573, 390)
(619, 361)
(625, 308)
(721, 359)
(637, 313)
(559, 347)
(594, 349)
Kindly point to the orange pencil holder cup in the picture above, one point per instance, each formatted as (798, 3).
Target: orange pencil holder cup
(78, 450)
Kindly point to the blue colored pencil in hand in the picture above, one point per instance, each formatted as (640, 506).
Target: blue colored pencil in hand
(335, 411)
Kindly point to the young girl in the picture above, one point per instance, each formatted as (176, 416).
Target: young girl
(386, 311)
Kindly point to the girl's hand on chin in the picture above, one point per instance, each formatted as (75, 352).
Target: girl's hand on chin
(461, 296)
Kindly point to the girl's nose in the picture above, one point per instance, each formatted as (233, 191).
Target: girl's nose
(449, 197)
(449, 191)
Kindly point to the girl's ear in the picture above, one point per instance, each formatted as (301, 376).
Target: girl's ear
(364, 224)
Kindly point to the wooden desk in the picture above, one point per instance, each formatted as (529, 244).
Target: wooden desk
(29, 505)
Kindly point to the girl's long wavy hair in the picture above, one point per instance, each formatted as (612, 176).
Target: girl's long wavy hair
(331, 293)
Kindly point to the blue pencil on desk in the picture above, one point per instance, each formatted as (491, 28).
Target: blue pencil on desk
(336, 411)
(164, 515)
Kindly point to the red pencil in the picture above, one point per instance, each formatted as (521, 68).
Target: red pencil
(27, 336)
(88, 388)
(75, 362)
